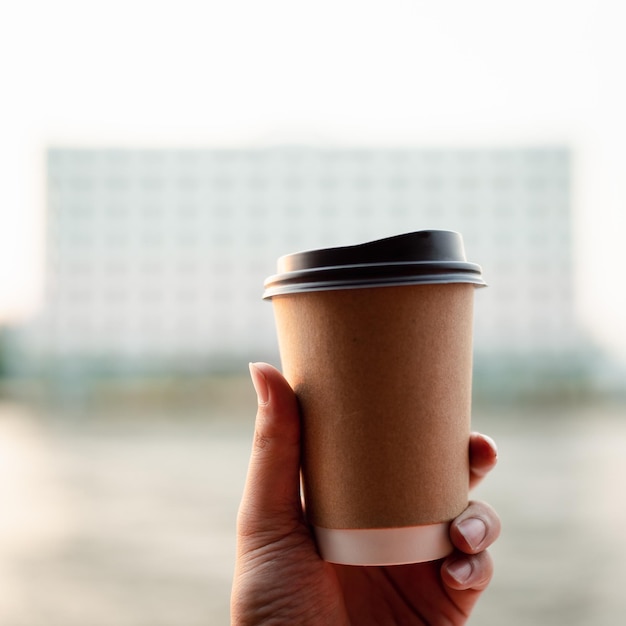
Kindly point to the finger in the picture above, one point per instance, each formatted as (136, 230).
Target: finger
(475, 529)
(468, 572)
(483, 457)
(271, 499)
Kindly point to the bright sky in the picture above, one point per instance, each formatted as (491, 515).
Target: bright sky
(244, 72)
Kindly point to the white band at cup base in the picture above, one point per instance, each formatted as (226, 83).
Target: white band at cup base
(384, 546)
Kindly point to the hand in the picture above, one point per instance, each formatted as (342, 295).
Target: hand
(281, 579)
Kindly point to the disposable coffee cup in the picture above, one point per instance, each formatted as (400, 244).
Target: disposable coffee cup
(376, 341)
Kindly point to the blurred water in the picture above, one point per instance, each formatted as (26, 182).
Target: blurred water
(116, 523)
(126, 518)
(559, 488)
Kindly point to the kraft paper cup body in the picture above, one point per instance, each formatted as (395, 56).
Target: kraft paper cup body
(383, 379)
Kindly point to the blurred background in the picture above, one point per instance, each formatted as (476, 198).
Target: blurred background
(158, 157)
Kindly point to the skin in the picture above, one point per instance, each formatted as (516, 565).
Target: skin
(279, 576)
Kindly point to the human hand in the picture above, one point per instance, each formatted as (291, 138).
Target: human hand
(281, 579)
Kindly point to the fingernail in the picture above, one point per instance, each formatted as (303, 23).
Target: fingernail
(474, 531)
(460, 570)
(260, 384)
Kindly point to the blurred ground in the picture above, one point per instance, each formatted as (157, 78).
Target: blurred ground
(121, 513)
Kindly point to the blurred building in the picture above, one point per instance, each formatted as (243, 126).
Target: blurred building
(156, 258)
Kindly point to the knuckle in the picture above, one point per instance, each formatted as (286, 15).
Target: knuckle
(261, 441)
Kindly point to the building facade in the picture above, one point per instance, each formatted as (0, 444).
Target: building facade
(156, 258)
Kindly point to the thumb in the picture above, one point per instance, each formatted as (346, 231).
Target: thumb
(271, 500)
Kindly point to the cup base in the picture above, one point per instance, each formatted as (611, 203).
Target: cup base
(384, 546)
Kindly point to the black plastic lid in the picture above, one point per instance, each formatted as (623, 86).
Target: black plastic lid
(426, 256)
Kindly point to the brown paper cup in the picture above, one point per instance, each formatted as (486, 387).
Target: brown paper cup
(383, 378)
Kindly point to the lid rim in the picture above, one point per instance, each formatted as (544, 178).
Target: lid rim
(295, 285)
(313, 288)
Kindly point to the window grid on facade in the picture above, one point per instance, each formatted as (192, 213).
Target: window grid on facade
(176, 243)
